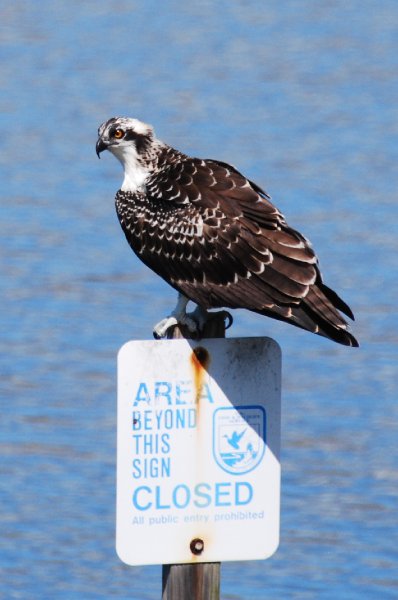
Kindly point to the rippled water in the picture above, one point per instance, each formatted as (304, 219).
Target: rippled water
(302, 97)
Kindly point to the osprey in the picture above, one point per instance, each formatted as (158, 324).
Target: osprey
(215, 237)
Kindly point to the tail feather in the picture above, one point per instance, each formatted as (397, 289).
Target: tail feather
(318, 313)
(337, 301)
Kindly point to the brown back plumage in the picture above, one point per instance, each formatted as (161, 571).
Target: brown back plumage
(216, 237)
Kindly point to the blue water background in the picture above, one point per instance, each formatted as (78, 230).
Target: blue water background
(302, 97)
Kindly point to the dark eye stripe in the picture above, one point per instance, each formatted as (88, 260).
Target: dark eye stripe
(141, 141)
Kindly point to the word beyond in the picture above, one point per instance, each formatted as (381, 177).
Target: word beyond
(170, 418)
(201, 496)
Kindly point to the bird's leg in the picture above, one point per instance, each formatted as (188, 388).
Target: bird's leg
(199, 316)
(193, 321)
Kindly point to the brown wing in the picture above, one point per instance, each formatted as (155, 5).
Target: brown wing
(219, 240)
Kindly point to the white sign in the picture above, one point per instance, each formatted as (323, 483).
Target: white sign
(198, 472)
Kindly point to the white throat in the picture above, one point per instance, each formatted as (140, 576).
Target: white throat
(135, 174)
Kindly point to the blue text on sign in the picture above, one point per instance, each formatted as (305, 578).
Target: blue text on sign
(202, 495)
(170, 392)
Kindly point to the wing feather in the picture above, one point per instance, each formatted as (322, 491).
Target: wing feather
(224, 243)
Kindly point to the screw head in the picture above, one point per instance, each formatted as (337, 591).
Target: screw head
(197, 546)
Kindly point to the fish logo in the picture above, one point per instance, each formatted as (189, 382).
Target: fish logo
(239, 438)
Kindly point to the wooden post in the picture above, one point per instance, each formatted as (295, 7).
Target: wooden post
(195, 581)
(200, 581)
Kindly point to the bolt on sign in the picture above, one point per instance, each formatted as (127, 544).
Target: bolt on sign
(198, 472)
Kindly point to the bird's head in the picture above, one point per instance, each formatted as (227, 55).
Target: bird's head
(132, 142)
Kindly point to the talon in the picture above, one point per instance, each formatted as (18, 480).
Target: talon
(194, 321)
(160, 329)
(228, 319)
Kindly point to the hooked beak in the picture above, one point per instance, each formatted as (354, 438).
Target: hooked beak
(100, 146)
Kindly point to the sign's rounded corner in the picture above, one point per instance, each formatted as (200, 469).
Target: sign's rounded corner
(277, 347)
(123, 348)
(121, 557)
(274, 548)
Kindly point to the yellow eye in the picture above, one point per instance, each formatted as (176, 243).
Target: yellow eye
(119, 133)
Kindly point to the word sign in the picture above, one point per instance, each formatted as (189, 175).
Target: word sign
(198, 472)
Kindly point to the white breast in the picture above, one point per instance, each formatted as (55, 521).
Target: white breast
(135, 175)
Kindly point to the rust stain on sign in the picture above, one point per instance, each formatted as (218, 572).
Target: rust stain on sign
(200, 360)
